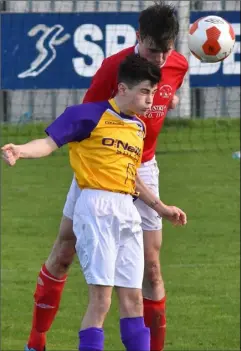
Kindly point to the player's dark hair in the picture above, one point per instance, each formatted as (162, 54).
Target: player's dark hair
(159, 24)
(135, 69)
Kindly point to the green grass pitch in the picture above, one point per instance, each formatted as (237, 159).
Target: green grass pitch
(200, 262)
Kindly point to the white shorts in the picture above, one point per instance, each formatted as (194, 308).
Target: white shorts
(149, 173)
(71, 199)
(109, 240)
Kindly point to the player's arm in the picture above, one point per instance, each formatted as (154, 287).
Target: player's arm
(103, 83)
(172, 213)
(72, 125)
(34, 149)
(175, 100)
(173, 103)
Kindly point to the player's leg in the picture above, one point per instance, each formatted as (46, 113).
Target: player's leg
(91, 333)
(96, 232)
(52, 276)
(153, 286)
(153, 290)
(128, 281)
(135, 335)
(63, 251)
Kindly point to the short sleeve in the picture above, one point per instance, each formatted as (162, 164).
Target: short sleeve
(183, 74)
(75, 124)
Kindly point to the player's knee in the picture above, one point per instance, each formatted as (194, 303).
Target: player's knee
(131, 304)
(152, 272)
(63, 252)
(66, 253)
(100, 305)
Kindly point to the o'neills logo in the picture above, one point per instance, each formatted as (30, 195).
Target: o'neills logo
(121, 146)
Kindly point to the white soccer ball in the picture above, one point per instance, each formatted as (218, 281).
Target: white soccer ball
(211, 39)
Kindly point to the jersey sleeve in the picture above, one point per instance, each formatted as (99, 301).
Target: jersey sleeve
(75, 124)
(103, 85)
(183, 73)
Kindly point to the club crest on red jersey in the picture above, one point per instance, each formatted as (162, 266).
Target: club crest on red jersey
(165, 91)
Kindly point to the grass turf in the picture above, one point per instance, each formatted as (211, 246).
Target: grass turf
(200, 262)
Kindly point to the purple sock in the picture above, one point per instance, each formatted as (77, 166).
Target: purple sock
(134, 334)
(91, 339)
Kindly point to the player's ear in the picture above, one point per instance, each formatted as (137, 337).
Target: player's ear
(138, 36)
(122, 87)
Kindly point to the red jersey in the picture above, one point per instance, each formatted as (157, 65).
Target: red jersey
(104, 86)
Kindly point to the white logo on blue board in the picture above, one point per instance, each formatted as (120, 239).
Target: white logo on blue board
(46, 48)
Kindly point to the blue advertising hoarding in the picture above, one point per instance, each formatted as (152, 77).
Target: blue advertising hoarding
(64, 50)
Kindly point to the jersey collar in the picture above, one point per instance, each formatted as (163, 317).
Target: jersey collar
(113, 105)
(117, 110)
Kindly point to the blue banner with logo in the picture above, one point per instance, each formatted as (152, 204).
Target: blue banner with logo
(64, 50)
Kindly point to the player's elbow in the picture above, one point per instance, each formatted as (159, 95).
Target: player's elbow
(50, 146)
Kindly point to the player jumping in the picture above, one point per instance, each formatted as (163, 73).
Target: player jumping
(105, 148)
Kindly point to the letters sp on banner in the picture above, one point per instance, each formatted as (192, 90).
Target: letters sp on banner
(90, 48)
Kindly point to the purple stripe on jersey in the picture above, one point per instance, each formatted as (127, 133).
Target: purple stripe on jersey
(76, 123)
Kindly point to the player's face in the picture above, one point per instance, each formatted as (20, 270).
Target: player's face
(148, 50)
(140, 97)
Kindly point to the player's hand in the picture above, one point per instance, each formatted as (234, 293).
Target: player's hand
(173, 103)
(175, 215)
(10, 154)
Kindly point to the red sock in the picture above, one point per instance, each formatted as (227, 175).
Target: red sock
(47, 299)
(155, 319)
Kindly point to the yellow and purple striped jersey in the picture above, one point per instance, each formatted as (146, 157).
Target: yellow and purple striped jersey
(105, 145)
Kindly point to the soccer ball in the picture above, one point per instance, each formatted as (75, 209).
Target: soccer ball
(211, 39)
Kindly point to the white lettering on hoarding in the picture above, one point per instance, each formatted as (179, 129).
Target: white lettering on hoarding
(112, 34)
(88, 48)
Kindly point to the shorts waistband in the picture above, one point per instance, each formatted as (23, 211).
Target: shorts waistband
(107, 193)
(149, 163)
